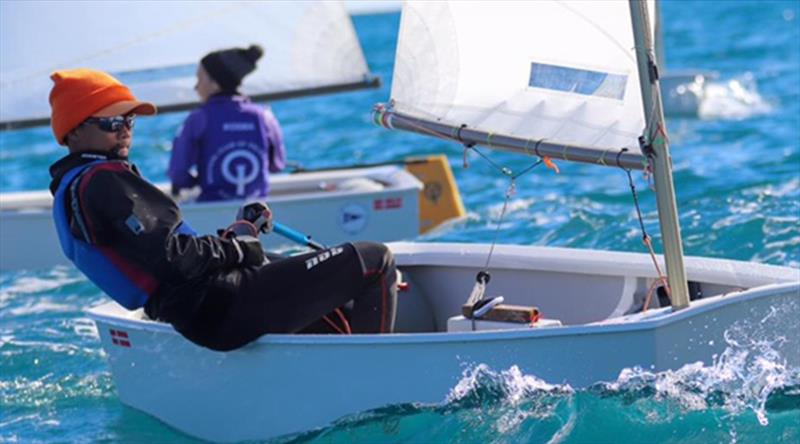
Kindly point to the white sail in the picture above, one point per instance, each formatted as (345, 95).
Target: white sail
(560, 71)
(154, 47)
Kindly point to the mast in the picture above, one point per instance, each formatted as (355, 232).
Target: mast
(662, 163)
(658, 33)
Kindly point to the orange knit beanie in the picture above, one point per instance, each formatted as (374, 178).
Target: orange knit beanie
(82, 93)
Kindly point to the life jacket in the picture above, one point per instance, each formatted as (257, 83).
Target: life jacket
(123, 282)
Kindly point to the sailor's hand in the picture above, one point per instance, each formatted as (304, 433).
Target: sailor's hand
(243, 234)
(258, 214)
(249, 250)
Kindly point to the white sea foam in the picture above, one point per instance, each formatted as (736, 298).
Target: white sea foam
(24, 285)
(735, 99)
(513, 382)
(34, 284)
(751, 368)
(47, 389)
(39, 307)
(519, 397)
(514, 206)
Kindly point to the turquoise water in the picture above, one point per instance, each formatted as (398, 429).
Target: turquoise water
(737, 176)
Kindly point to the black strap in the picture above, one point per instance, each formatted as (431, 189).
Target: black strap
(75, 205)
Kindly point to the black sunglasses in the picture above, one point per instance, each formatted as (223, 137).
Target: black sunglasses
(113, 124)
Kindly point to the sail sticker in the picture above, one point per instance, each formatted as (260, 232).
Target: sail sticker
(578, 81)
(149, 75)
(353, 218)
(119, 337)
(433, 191)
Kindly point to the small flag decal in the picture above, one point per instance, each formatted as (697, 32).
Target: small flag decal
(119, 337)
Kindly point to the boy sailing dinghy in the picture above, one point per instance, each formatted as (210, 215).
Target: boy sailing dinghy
(574, 81)
(311, 49)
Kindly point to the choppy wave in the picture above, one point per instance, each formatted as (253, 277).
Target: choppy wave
(59, 281)
(690, 404)
(748, 390)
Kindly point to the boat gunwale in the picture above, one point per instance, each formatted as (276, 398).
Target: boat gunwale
(638, 322)
(602, 262)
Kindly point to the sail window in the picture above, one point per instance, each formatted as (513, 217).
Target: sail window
(578, 81)
(157, 74)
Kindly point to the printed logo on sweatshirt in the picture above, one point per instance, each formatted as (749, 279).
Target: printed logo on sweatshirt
(236, 163)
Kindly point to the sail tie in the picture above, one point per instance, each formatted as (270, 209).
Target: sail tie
(646, 240)
(548, 162)
(602, 159)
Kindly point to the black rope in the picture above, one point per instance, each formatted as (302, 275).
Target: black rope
(532, 166)
(483, 275)
(458, 135)
(509, 192)
(536, 147)
(633, 192)
(503, 170)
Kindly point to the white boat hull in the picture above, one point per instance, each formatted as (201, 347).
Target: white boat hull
(285, 384)
(332, 207)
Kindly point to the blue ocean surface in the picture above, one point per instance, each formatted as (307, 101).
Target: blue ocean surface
(737, 178)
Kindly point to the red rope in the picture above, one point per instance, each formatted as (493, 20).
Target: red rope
(332, 324)
(347, 329)
(661, 277)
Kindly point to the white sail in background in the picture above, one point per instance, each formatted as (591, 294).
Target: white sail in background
(560, 71)
(154, 47)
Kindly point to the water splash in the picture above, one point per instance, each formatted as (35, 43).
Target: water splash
(707, 96)
(734, 99)
(509, 397)
(485, 405)
(748, 390)
(751, 370)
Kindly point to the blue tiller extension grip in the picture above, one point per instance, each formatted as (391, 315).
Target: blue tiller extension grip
(296, 236)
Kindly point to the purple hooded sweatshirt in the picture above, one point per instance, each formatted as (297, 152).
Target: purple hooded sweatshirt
(233, 143)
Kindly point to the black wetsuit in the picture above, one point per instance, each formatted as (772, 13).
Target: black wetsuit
(202, 291)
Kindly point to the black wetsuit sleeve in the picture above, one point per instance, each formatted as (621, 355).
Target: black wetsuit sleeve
(137, 221)
(195, 256)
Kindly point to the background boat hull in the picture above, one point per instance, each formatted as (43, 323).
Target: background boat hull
(308, 202)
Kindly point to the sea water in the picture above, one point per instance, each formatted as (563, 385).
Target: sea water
(737, 177)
